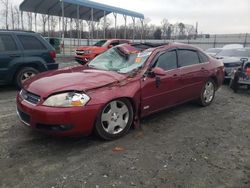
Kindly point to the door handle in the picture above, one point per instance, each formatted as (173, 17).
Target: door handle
(157, 81)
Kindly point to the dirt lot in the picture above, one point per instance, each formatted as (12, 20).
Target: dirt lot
(187, 146)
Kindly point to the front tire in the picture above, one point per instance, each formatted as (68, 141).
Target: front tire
(207, 93)
(23, 75)
(115, 119)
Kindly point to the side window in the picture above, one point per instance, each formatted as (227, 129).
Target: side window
(188, 57)
(114, 43)
(31, 43)
(167, 61)
(7, 43)
(203, 57)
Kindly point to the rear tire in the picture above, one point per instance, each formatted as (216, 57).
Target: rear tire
(23, 75)
(114, 120)
(207, 93)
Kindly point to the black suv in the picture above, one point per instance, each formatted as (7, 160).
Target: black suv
(23, 55)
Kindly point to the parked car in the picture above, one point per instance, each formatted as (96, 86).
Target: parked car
(233, 46)
(213, 51)
(241, 77)
(232, 59)
(86, 53)
(23, 55)
(117, 88)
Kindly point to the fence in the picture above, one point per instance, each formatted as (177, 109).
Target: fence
(204, 42)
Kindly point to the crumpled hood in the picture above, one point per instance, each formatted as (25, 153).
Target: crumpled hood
(68, 79)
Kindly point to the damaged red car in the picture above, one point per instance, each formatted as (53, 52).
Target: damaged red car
(117, 88)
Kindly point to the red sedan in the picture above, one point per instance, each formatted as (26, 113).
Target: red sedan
(117, 88)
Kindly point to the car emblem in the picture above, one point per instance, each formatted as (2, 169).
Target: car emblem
(25, 96)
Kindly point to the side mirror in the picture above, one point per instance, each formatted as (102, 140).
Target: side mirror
(157, 71)
(110, 46)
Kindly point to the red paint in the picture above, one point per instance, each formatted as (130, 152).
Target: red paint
(96, 50)
(176, 86)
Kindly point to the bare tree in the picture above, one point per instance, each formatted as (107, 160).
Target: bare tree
(17, 16)
(5, 4)
(181, 29)
(190, 30)
(30, 20)
(12, 13)
(53, 23)
(164, 25)
(44, 20)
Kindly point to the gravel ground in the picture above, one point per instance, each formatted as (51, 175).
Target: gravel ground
(187, 146)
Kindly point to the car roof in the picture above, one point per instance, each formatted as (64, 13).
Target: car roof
(163, 46)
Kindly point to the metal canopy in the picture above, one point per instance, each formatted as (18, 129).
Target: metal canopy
(54, 8)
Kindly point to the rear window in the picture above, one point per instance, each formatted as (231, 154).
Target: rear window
(7, 43)
(31, 43)
(188, 57)
(203, 57)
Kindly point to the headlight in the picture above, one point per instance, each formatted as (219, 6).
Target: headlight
(70, 99)
(88, 52)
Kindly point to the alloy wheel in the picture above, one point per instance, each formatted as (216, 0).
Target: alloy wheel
(209, 90)
(115, 117)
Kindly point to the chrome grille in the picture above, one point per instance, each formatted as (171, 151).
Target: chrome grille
(80, 52)
(30, 97)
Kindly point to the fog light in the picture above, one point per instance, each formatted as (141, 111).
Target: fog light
(46, 127)
(65, 127)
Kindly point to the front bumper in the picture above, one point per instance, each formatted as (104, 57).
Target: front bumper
(58, 121)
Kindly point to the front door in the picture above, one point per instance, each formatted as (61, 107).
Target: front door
(159, 92)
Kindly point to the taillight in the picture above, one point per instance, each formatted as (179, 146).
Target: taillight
(52, 54)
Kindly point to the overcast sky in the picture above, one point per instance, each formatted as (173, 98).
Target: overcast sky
(213, 16)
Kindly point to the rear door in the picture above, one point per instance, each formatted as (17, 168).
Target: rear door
(34, 48)
(193, 74)
(9, 54)
(161, 91)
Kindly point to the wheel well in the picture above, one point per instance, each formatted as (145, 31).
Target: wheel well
(132, 103)
(23, 66)
(215, 81)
